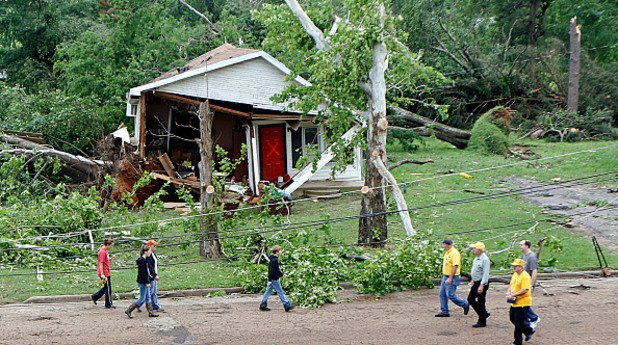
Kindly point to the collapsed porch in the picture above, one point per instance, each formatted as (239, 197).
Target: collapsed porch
(273, 141)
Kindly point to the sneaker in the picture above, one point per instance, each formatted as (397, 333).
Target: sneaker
(479, 325)
(442, 315)
(160, 310)
(466, 309)
(290, 308)
(529, 336)
(264, 309)
(533, 324)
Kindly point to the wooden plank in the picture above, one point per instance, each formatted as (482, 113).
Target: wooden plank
(177, 98)
(230, 111)
(281, 116)
(142, 127)
(195, 102)
(167, 165)
(176, 181)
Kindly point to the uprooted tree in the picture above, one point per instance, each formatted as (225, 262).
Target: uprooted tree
(352, 57)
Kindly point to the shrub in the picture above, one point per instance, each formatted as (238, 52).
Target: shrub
(412, 263)
(490, 132)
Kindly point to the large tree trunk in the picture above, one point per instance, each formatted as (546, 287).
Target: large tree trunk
(576, 36)
(209, 245)
(79, 168)
(457, 137)
(373, 228)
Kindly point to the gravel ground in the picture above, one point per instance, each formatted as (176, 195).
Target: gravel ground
(574, 314)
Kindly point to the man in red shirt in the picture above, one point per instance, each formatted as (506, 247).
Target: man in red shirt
(104, 274)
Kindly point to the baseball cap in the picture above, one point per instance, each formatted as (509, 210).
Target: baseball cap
(151, 243)
(447, 241)
(478, 245)
(518, 262)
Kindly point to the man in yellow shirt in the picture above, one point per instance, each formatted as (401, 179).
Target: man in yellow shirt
(519, 295)
(450, 280)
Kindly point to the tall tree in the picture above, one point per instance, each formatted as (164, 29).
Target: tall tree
(351, 53)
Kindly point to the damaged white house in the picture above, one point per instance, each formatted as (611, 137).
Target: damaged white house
(239, 84)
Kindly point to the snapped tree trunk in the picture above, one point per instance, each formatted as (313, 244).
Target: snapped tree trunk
(209, 234)
(576, 37)
(373, 222)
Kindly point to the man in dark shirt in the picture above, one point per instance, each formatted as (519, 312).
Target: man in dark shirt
(274, 273)
(532, 266)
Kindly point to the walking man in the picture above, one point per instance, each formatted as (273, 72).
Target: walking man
(450, 280)
(103, 272)
(274, 273)
(479, 284)
(153, 267)
(532, 265)
(519, 295)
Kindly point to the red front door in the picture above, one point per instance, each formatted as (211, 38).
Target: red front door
(272, 146)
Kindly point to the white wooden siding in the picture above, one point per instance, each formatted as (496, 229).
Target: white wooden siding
(250, 82)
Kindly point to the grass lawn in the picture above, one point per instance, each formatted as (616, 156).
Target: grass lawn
(578, 252)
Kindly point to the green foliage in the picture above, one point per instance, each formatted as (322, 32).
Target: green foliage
(407, 139)
(315, 276)
(586, 125)
(71, 119)
(338, 72)
(490, 135)
(413, 263)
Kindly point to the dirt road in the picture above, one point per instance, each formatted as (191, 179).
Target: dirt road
(571, 316)
(595, 205)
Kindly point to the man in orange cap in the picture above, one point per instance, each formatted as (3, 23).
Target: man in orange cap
(153, 262)
(479, 283)
(519, 295)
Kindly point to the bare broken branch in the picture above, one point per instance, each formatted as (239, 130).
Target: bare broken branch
(210, 25)
(320, 41)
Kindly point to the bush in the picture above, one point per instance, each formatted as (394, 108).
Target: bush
(413, 263)
(490, 132)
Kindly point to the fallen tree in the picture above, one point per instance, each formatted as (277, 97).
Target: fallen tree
(425, 127)
(78, 168)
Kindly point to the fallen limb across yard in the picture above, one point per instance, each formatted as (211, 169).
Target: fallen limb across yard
(424, 126)
(79, 168)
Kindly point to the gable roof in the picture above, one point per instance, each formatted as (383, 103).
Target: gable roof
(219, 54)
(220, 57)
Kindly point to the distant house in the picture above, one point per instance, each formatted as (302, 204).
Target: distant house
(239, 84)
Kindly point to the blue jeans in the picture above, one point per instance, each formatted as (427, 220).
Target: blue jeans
(153, 295)
(144, 295)
(269, 290)
(531, 316)
(450, 292)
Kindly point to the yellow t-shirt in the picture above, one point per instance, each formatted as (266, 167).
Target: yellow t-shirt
(521, 281)
(451, 258)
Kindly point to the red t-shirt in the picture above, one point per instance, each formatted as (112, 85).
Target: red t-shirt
(103, 259)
